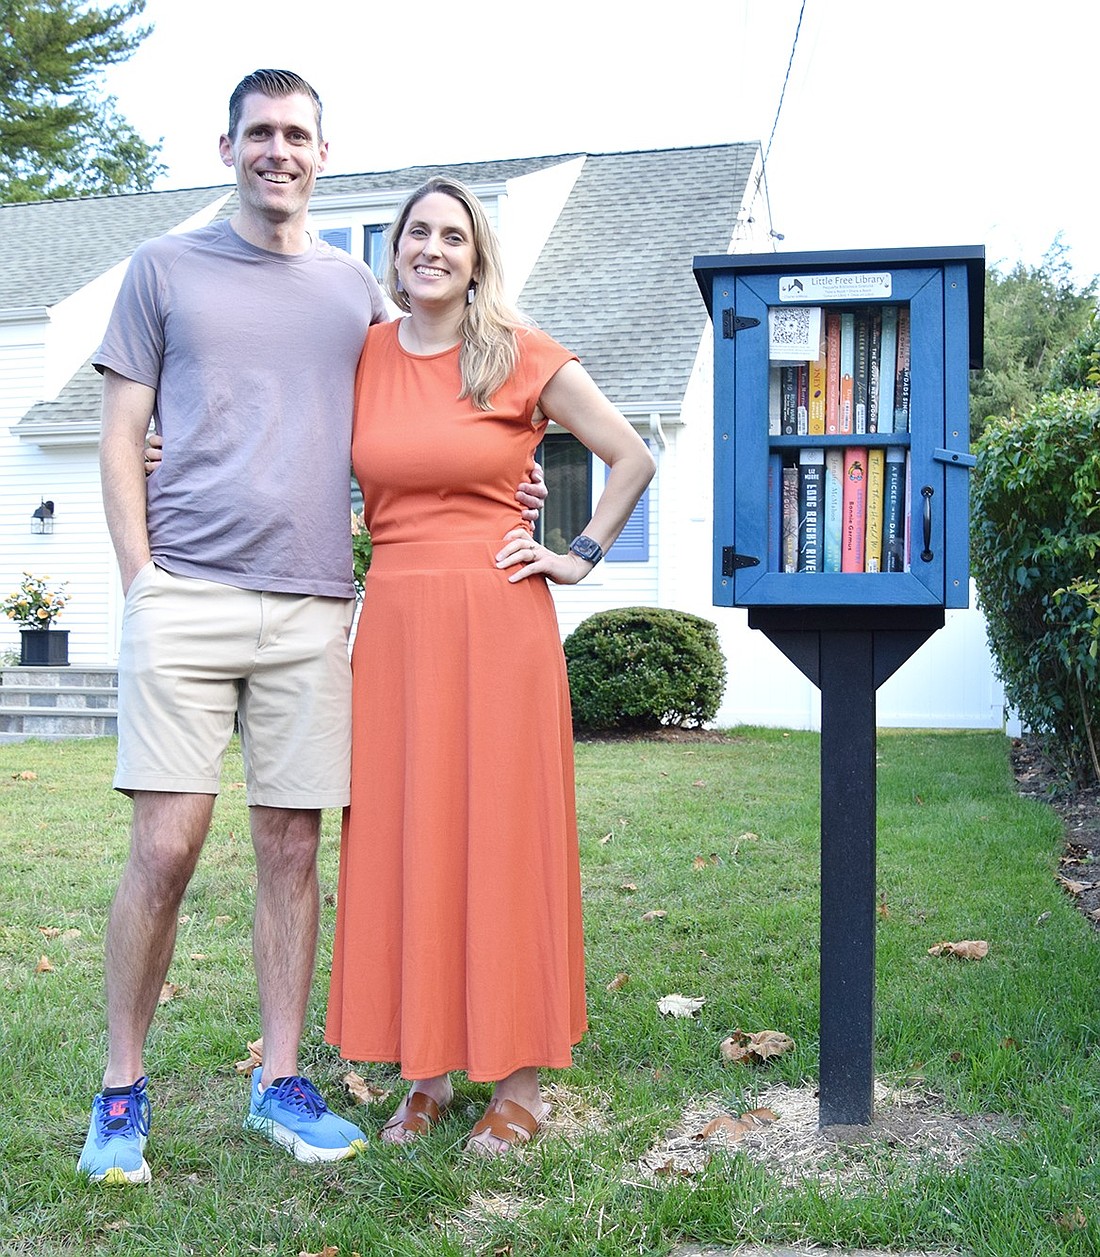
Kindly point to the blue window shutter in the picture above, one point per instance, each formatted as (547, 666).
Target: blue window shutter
(632, 544)
(338, 237)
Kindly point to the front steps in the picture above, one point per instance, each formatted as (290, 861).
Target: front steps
(45, 702)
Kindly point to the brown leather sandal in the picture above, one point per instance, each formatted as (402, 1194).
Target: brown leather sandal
(509, 1122)
(416, 1115)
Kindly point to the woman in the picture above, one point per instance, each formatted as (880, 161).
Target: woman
(458, 936)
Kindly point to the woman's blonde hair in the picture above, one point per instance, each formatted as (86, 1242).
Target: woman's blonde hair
(489, 325)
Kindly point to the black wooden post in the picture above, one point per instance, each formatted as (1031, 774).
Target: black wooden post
(847, 652)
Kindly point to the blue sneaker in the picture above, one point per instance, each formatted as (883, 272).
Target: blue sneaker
(114, 1152)
(292, 1114)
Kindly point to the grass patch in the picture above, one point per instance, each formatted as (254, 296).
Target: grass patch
(720, 837)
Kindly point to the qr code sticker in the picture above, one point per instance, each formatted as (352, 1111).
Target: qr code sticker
(790, 325)
(794, 333)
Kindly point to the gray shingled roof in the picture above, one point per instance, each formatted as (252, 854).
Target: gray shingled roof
(614, 280)
(50, 249)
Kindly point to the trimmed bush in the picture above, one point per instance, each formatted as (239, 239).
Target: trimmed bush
(643, 668)
(1036, 544)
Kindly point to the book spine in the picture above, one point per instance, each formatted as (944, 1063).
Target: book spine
(847, 366)
(832, 372)
(788, 400)
(876, 475)
(811, 486)
(888, 366)
(817, 398)
(775, 510)
(902, 381)
(893, 511)
(802, 395)
(874, 350)
(862, 329)
(790, 518)
(854, 509)
(775, 402)
(831, 512)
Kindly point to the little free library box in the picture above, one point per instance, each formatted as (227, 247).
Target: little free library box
(841, 431)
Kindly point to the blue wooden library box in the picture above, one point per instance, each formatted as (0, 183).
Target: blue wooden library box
(841, 425)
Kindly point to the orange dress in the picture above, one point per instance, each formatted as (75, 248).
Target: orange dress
(458, 930)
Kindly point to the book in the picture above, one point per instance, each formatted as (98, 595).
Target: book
(861, 358)
(775, 402)
(831, 509)
(775, 511)
(876, 475)
(888, 365)
(789, 526)
(832, 371)
(853, 529)
(802, 397)
(788, 400)
(817, 397)
(902, 381)
(811, 486)
(874, 350)
(893, 511)
(847, 365)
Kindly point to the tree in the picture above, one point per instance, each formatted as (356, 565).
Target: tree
(59, 136)
(1032, 313)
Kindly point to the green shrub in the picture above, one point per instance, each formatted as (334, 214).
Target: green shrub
(1036, 546)
(644, 667)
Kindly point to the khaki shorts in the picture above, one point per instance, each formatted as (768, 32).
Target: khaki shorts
(195, 654)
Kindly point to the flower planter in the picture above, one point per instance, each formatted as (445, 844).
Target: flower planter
(44, 648)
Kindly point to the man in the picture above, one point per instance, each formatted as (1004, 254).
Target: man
(241, 340)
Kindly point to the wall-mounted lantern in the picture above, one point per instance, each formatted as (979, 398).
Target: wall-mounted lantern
(42, 518)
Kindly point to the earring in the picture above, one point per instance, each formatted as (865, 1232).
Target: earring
(471, 293)
(400, 285)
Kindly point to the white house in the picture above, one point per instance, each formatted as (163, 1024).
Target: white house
(598, 250)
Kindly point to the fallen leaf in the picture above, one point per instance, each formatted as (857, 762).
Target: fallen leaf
(71, 933)
(43, 965)
(185, 920)
(628, 888)
(699, 863)
(255, 1058)
(363, 1092)
(749, 836)
(967, 949)
(733, 1128)
(198, 955)
(48, 931)
(330, 901)
(329, 1250)
(169, 991)
(1042, 917)
(1075, 1221)
(618, 982)
(680, 1005)
(883, 910)
(606, 839)
(236, 785)
(222, 920)
(1075, 888)
(698, 783)
(750, 1049)
(657, 914)
(26, 775)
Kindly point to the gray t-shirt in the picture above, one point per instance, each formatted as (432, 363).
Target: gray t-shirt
(253, 357)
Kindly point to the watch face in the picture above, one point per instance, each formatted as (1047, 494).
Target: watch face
(587, 549)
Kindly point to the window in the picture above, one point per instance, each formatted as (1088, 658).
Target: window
(374, 247)
(567, 466)
(338, 237)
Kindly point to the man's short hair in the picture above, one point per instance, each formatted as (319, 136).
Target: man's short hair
(273, 83)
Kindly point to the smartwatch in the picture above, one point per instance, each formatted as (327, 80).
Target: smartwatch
(585, 548)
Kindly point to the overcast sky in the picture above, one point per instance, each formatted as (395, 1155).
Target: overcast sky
(941, 123)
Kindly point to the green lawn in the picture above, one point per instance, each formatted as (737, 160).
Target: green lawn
(722, 838)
